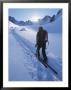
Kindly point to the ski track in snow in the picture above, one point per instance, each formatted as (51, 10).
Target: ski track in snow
(21, 63)
(29, 67)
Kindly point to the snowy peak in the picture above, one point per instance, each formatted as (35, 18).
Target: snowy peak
(59, 12)
(44, 20)
(49, 19)
(20, 23)
(12, 19)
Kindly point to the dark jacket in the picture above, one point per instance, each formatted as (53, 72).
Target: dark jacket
(42, 37)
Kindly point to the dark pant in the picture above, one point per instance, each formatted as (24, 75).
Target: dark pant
(43, 47)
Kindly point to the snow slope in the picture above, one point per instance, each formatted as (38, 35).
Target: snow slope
(53, 27)
(23, 64)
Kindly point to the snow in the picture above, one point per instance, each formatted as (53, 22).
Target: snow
(23, 64)
(53, 27)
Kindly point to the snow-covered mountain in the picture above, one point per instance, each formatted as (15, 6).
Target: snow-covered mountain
(45, 20)
(20, 23)
(52, 26)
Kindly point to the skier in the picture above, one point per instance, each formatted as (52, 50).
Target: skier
(41, 39)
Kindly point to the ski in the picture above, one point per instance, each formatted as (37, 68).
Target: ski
(47, 65)
(52, 69)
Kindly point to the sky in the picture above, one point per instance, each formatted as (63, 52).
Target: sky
(31, 14)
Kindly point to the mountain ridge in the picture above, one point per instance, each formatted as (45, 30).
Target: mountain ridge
(44, 20)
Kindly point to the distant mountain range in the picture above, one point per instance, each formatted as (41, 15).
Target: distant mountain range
(45, 19)
(20, 23)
